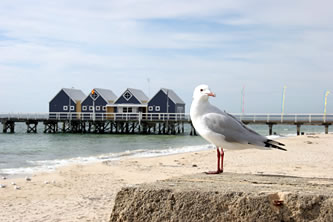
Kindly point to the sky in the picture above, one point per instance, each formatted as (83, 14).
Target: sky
(257, 45)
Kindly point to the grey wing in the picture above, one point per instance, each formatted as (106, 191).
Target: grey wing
(232, 129)
(242, 124)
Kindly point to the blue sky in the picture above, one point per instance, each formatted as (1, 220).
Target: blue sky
(227, 44)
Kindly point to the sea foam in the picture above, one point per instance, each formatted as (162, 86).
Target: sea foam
(51, 165)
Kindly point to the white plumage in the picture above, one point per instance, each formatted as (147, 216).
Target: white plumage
(222, 129)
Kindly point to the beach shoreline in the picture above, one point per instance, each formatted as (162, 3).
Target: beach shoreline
(86, 192)
(50, 166)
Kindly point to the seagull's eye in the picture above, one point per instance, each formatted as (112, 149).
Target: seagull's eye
(201, 90)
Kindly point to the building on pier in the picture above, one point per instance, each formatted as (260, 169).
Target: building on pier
(66, 101)
(97, 102)
(130, 101)
(166, 101)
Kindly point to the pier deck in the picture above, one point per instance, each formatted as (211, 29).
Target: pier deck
(144, 123)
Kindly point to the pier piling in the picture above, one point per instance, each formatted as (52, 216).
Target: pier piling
(8, 126)
(326, 129)
(50, 126)
(298, 127)
(193, 131)
(31, 126)
(270, 129)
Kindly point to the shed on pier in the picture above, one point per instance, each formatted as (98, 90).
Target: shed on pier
(97, 102)
(67, 100)
(166, 101)
(131, 101)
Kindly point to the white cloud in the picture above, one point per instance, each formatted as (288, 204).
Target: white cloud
(46, 45)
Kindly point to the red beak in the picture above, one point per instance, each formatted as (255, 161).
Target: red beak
(211, 94)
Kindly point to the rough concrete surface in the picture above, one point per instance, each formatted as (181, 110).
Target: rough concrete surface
(227, 197)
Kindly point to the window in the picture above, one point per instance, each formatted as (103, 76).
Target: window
(65, 108)
(180, 109)
(84, 108)
(129, 109)
(104, 108)
(125, 110)
(98, 108)
(150, 108)
(127, 95)
(91, 108)
(72, 108)
(157, 108)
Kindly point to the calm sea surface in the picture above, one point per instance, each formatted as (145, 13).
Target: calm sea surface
(23, 153)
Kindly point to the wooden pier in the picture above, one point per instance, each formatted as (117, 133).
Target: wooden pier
(297, 120)
(116, 123)
(145, 123)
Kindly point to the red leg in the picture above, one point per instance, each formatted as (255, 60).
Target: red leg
(222, 157)
(219, 155)
(218, 159)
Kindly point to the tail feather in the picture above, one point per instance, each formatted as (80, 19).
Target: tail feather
(274, 144)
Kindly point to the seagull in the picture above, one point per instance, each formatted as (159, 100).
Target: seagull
(223, 129)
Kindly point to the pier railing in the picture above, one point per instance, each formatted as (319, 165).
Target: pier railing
(62, 116)
(286, 118)
(246, 118)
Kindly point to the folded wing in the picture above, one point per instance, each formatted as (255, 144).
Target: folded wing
(235, 131)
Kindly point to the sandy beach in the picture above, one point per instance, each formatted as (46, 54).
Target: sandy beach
(87, 192)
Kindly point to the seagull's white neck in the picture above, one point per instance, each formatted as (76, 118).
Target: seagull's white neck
(201, 100)
(198, 106)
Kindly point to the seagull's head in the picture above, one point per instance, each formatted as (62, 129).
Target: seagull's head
(202, 92)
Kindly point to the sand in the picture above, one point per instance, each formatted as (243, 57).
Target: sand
(87, 192)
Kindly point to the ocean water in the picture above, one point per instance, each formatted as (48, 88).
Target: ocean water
(22, 153)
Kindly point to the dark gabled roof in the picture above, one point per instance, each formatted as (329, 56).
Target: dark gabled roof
(172, 95)
(74, 94)
(137, 93)
(107, 94)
